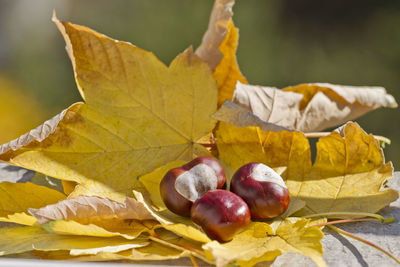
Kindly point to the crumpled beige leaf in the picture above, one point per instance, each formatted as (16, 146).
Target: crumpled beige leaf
(311, 107)
(258, 243)
(234, 114)
(347, 175)
(26, 238)
(218, 49)
(16, 198)
(87, 210)
(138, 115)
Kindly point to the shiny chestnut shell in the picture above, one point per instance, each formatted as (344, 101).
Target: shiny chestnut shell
(265, 199)
(177, 202)
(221, 214)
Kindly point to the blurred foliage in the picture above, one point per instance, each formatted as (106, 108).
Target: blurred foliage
(282, 43)
(17, 118)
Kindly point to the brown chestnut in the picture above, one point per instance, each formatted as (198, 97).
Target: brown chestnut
(221, 214)
(181, 186)
(263, 190)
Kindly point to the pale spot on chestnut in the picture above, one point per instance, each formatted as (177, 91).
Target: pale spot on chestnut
(263, 173)
(181, 186)
(196, 181)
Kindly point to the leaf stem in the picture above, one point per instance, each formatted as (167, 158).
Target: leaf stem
(345, 221)
(194, 251)
(343, 232)
(193, 260)
(345, 215)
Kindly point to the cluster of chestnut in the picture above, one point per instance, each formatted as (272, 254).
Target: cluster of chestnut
(197, 189)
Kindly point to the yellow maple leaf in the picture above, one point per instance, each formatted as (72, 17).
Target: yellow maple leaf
(17, 198)
(218, 49)
(138, 114)
(259, 243)
(153, 251)
(347, 176)
(128, 229)
(163, 246)
(26, 238)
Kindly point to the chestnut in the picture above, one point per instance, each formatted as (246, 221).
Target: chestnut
(221, 214)
(181, 186)
(263, 190)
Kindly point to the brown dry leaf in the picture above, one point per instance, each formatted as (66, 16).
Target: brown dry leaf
(347, 176)
(311, 107)
(17, 198)
(138, 115)
(88, 210)
(218, 49)
(258, 243)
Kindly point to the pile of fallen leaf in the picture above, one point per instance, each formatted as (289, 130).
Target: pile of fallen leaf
(141, 118)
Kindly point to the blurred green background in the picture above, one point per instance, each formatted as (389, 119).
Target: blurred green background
(282, 43)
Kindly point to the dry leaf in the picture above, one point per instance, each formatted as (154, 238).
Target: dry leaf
(87, 210)
(153, 251)
(347, 175)
(20, 239)
(234, 114)
(138, 115)
(16, 198)
(311, 107)
(218, 49)
(258, 243)
(128, 229)
(74, 254)
(181, 226)
(165, 246)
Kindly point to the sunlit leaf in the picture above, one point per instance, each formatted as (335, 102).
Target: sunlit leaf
(348, 173)
(311, 107)
(16, 198)
(218, 49)
(91, 210)
(27, 238)
(258, 243)
(138, 115)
